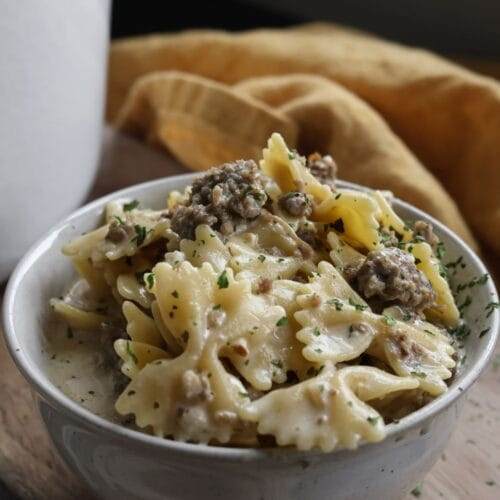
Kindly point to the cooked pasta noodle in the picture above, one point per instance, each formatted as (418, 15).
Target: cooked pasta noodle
(266, 302)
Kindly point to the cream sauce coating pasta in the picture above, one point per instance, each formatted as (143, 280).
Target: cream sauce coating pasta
(271, 315)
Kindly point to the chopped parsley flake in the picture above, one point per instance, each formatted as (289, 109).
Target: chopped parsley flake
(217, 307)
(429, 332)
(417, 491)
(373, 420)
(316, 331)
(358, 307)
(337, 196)
(244, 394)
(150, 280)
(140, 234)
(337, 303)
(483, 332)
(466, 303)
(131, 353)
(440, 250)
(118, 219)
(262, 258)
(491, 307)
(222, 280)
(175, 294)
(460, 332)
(282, 321)
(127, 207)
(389, 320)
(418, 374)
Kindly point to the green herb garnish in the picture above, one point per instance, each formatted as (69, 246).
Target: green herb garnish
(140, 234)
(373, 420)
(491, 307)
(358, 307)
(389, 320)
(131, 353)
(417, 491)
(262, 258)
(482, 333)
(127, 207)
(337, 303)
(150, 280)
(222, 280)
(282, 321)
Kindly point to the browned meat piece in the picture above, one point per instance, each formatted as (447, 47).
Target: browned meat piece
(264, 285)
(390, 276)
(323, 168)
(222, 198)
(186, 219)
(296, 204)
(118, 232)
(426, 231)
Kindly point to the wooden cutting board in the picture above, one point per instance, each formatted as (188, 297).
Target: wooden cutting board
(29, 467)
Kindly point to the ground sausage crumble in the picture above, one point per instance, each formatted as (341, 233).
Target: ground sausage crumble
(222, 198)
(389, 276)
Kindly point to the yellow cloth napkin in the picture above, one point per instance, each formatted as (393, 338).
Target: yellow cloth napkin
(393, 117)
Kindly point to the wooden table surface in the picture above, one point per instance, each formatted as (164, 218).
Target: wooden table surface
(29, 467)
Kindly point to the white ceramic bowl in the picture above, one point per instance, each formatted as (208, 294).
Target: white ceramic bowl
(121, 463)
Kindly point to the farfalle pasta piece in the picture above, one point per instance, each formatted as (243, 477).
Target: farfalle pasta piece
(136, 355)
(173, 344)
(288, 171)
(445, 311)
(206, 247)
(269, 249)
(189, 398)
(329, 284)
(420, 351)
(328, 411)
(354, 215)
(342, 254)
(130, 288)
(78, 318)
(332, 319)
(267, 351)
(334, 331)
(389, 219)
(140, 326)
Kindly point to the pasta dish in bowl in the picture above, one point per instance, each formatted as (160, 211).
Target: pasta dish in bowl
(267, 306)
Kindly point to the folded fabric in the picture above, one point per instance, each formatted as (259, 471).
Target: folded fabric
(393, 117)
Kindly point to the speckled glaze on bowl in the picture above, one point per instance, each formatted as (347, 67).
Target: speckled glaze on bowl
(121, 463)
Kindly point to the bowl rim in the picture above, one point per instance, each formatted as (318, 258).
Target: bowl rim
(48, 391)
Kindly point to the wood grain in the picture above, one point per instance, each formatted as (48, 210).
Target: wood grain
(469, 469)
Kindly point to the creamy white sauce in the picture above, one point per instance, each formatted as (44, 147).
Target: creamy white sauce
(76, 362)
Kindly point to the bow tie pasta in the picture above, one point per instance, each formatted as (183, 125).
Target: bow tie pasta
(262, 302)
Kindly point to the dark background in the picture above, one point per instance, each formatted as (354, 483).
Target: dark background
(457, 27)
(453, 27)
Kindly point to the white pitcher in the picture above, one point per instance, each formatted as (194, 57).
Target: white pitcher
(53, 56)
